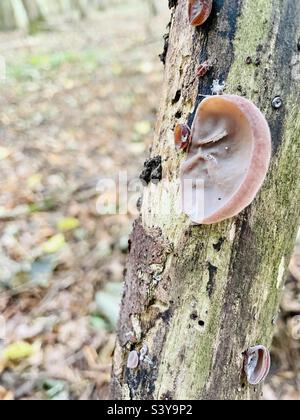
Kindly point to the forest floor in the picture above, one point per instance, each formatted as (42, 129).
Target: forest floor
(78, 105)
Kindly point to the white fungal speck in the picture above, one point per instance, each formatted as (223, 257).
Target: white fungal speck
(133, 360)
(148, 360)
(218, 88)
(211, 158)
(143, 352)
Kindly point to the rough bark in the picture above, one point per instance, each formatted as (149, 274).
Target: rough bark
(199, 296)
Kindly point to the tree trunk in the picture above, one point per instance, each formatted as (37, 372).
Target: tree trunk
(199, 296)
(20, 13)
(12, 14)
(32, 10)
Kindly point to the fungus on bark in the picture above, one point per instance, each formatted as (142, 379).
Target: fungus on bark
(228, 159)
(133, 360)
(199, 11)
(203, 68)
(182, 136)
(257, 364)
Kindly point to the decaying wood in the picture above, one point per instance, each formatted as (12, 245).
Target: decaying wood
(199, 296)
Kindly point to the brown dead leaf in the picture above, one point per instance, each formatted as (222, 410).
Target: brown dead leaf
(5, 395)
(91, 356)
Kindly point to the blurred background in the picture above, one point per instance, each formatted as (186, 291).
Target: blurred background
(80, 85)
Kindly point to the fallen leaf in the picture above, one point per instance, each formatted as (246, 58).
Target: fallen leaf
(41, 270)
(29, 330)
(18, 351)
(56, 390)
(68, 223)
(5, 395)
(116, 69)
(4, 153)
(142, 127)
(54, 244)
(34, 181)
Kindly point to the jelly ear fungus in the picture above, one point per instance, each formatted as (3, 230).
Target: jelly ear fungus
(182, 134)
(257, 363)
(228, 159)
(199, 11)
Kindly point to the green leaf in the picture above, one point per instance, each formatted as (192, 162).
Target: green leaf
(54, 244)
(46, 205)
(54, 387)
(98, 323)
(68, 223)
